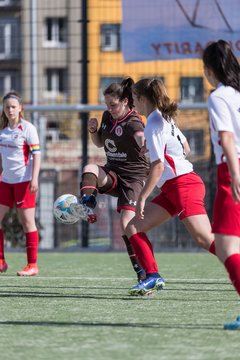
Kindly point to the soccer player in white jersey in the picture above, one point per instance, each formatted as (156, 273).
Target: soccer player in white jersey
(182, 190)
(222, 71)
(19, 169)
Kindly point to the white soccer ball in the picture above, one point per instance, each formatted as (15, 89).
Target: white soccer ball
(61, 209)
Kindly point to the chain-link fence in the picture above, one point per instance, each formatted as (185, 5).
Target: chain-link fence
(61, 171)
(63, 53)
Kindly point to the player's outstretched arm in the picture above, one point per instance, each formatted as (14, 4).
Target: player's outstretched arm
(93, 131)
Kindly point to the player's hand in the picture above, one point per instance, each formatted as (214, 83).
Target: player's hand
(92, 125)
(33, 186)
(235, 186)
(140, 208)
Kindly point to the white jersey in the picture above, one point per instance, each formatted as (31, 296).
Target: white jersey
(224, 112)
(17, 147)
(165, 142)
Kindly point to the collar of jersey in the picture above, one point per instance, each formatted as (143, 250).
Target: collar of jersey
(121, 120)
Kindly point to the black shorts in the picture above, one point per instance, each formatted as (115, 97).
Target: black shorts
(127, 191)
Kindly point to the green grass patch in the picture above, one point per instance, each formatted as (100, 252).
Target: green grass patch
(78, 308)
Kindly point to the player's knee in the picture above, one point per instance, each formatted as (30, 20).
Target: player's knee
(203, 242)
(90, 168)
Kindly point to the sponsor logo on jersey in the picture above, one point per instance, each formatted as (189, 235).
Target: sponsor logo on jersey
(110, 145)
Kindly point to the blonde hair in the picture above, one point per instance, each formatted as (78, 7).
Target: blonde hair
(3, 117)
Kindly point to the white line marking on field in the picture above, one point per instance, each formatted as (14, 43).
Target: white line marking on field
(180, 280)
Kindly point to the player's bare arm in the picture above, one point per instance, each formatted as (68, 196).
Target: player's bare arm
(228, 145)
(93, 131)
(35, 173)
(139, 137)
(186, 148)
(156, 170)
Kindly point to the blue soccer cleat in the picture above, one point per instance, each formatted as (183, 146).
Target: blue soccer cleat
(89, 200)
(147, 286)
(235, 325)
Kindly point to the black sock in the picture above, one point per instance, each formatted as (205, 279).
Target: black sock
(134, 260)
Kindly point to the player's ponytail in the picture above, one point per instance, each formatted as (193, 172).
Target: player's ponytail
(155, 92)
(218, 57)
(127, 85)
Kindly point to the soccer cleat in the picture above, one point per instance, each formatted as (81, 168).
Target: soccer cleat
(83, 209)
(235, 325)
(89, 200)
(3, 266)
(147, 286)
(29, 270)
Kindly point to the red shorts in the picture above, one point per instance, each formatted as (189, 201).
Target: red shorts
(183, 196)
(226, 213)
(18, 195)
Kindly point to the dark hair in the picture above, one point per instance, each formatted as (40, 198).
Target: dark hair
(218, 57)
(121, 90)
(3, 118)
(155, 91)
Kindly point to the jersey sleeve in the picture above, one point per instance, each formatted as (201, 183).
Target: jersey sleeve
(182, 138)
(156, 142)
(33, 140)
(103, 120)
(134, 125)
(219, 114)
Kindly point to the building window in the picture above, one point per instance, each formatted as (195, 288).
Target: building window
(9, 39)
(55, 32)
(191, 89)
(56, 82)
(110, 37)
(104, 83)
(9, 3)
(9, 80)
(195, 138)
(5, 2)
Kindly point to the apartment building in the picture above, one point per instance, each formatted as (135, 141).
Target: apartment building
(41, 48)
(10, 45)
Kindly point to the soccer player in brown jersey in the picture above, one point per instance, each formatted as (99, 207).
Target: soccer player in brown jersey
(121, 133)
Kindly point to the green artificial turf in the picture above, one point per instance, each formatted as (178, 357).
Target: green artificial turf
(78, 308)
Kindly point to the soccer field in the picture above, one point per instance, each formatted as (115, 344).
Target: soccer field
(79, 308)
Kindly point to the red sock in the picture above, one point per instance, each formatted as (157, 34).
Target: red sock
(212, 248)
(32, 246)
(232, 264)
(144, 251)
(1, 245)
